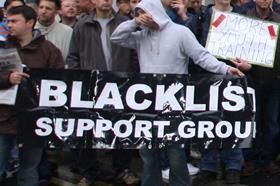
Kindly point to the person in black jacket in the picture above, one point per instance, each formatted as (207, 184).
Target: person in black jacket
(91, 49)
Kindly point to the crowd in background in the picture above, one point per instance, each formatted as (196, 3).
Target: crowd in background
(76, 34)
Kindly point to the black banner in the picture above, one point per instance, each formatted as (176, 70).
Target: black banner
(93, 109)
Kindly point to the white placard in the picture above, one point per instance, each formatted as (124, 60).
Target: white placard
(9, 61)
(235, 36)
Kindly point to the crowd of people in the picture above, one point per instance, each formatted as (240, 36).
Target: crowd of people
(143, 36)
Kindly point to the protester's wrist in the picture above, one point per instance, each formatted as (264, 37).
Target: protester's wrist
(137, 23)
(184, 17)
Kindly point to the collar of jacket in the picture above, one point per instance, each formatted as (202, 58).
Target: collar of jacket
(38, 38)
(91, 18)
(46, 29)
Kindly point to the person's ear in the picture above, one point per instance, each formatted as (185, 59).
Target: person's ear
(30, 23)
(59, 12)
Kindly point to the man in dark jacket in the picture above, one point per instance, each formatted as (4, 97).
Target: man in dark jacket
(86, 48)
(231, 158)
(91, 49)
(35, 52)
(262, 156)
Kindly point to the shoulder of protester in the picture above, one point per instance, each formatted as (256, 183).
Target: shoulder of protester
(90, 18)
(272, 17)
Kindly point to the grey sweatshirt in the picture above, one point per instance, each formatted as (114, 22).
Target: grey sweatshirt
(168, 49)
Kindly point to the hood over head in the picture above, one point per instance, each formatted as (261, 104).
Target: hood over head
(156, 9)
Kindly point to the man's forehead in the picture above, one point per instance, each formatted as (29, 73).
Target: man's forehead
(14, 17)
(123, 1)
(67, 2)
(194, 1)
(47, 3)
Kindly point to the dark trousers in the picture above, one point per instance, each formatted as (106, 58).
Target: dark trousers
(29, 159)
(87, 161)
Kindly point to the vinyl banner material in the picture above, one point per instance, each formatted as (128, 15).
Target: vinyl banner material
(93, 109)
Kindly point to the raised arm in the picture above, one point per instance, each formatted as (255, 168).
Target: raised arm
(203, 58)
(126, 35)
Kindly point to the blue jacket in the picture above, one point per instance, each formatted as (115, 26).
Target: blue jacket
(176, 18)
(4, 30)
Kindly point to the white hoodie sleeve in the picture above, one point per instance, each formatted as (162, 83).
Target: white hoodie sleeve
(201, 56)
(126, 35)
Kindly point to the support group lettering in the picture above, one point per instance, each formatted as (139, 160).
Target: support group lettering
(141, 128)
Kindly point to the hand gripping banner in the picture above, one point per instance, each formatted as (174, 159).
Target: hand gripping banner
(93, 109)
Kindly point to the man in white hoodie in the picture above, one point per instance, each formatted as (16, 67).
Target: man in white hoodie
(164, 47)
